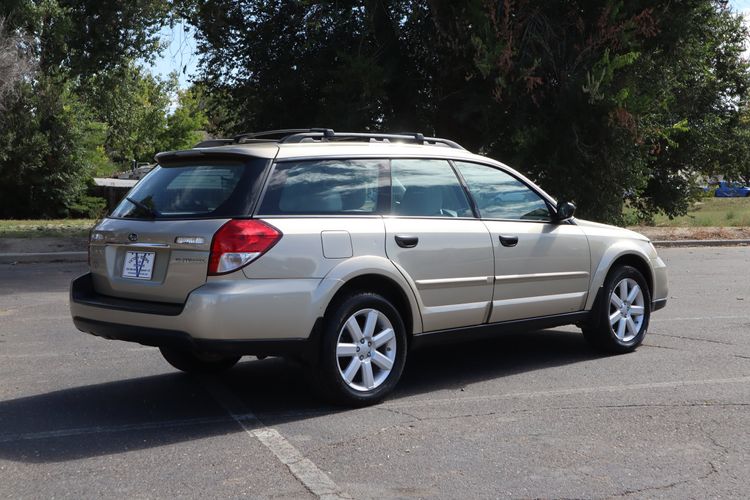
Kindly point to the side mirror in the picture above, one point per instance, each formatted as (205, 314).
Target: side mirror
(565, 210)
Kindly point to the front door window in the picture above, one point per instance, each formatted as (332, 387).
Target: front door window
(499, 195)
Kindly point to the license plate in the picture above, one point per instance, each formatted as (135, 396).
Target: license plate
(138, 265)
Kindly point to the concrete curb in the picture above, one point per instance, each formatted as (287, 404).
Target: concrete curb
(700, 243)
(41, 257)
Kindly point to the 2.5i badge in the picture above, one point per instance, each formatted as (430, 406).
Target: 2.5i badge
(138, 265)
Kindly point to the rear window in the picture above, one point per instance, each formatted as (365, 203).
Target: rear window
(194, 190)
(322, 187)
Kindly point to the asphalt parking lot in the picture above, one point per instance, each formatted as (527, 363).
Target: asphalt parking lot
(529, 415)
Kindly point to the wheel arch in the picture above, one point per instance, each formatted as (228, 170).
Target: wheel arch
(638, 262)
(373, 274)
(384, 286)
(622, 257)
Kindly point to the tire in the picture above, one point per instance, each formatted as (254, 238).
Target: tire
(615, 326)
(193, 362)
(363, 350)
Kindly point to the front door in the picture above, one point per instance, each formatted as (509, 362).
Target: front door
(542, 267)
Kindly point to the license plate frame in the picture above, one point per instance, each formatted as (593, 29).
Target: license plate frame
(138, 265)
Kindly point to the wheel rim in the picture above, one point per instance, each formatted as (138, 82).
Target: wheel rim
(627, 310)
(366, 350)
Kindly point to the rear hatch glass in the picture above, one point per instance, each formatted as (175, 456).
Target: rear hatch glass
(156, 243)
(194, 190)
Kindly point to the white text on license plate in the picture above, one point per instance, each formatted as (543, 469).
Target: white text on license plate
(138, 265)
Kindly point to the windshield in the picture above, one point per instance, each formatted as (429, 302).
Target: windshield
(194, 190)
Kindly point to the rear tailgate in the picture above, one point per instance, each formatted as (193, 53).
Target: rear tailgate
(143, 259)
(155, 245)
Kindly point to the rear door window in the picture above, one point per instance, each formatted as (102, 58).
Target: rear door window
(325, 187)
(427, 188)
(194, 190)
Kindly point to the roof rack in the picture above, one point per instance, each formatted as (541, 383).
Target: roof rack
(291, 136)
(329, 135)
(249, 137)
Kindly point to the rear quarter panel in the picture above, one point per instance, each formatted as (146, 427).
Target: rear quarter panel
(333, 250)
(300, 252)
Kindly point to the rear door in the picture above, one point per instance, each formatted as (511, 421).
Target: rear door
(434, 239)
(155, 244)
(542, 267)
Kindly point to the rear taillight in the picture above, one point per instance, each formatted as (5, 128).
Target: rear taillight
(239, 242)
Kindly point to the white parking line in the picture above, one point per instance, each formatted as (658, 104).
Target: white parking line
(306, 472)
(697, 318)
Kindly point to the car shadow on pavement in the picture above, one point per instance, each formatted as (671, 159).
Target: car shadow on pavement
(153, 411)
(455, 366)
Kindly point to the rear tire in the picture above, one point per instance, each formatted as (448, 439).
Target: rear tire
(193, 362)
(621, 313)
(363, 350)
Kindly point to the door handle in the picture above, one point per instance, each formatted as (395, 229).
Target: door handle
(406, 241)
(508, 241)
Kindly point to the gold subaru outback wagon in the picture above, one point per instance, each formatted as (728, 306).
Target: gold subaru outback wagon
(346, 250)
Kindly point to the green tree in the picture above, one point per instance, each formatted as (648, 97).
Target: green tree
(47, 151)
(89, 110)
(300, 63)
(50, 140)
(735, 159)
(84, 37)
(602, 102)
(185, 126)
(136, 106)
(16, 64)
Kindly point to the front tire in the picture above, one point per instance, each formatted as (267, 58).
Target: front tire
(193, 362)
(621, 312)
(363, 350)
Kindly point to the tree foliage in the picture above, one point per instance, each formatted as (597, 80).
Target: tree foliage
(89, 109)
(136, 106)
(16, 64)
(735, 150)
(47, 149)
(603, 102)
(84, 37)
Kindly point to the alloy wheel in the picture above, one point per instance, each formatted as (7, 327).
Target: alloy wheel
(626, 310)
(366, 349)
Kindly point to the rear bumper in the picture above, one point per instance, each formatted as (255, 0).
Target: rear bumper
(226, 313)
(158, 337)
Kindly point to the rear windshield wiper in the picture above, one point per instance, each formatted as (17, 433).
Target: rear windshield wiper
(149, 210)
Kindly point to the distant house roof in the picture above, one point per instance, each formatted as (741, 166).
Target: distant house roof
(135, 173)
(118, 183)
